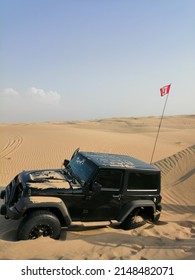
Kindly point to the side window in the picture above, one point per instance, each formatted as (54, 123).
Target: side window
(109, 179)
(143, 181)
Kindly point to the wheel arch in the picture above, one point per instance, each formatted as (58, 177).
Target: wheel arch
(54, 205)
(56, 211)
(146, 208)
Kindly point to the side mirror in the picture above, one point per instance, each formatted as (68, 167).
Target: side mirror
(96, 187)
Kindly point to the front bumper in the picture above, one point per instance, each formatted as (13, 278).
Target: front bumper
(2, 195)
(9, 212)
(3, 207)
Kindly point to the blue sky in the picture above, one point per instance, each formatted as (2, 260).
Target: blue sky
(89, 59)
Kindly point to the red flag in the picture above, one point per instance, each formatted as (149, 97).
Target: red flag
(165, 90)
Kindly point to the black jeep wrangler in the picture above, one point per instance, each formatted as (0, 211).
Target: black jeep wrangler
(92, 189)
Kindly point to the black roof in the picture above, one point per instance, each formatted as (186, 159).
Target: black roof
(118, 161)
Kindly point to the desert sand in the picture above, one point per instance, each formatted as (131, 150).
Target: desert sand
(26, 146)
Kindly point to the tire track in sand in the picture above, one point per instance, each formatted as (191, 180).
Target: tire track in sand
(11, 146)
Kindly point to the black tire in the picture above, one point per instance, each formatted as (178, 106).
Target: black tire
(132, 222)
(39, 223)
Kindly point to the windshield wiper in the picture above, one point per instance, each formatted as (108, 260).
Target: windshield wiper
(68, 170)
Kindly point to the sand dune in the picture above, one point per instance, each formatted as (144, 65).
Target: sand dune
(45, 145)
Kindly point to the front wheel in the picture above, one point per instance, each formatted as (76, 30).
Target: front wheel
(39, 223)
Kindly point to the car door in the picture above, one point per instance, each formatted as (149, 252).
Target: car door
(105, 203)
(96, 205)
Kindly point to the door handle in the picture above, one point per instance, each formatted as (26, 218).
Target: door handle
(117, 196)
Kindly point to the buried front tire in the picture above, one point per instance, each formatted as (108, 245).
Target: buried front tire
(39, 223)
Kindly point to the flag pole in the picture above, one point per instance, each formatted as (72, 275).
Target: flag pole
(159, 128)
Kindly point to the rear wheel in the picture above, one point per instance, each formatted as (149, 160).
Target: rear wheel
(133, 221)
(156, 217)
(39, 223)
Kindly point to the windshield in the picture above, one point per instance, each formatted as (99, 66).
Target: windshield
(81, 168)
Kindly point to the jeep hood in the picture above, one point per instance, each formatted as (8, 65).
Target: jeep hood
(44, 179)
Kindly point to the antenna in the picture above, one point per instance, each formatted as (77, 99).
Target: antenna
(163, 91)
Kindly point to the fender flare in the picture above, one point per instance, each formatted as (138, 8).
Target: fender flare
(129, 207)
(27, 203)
